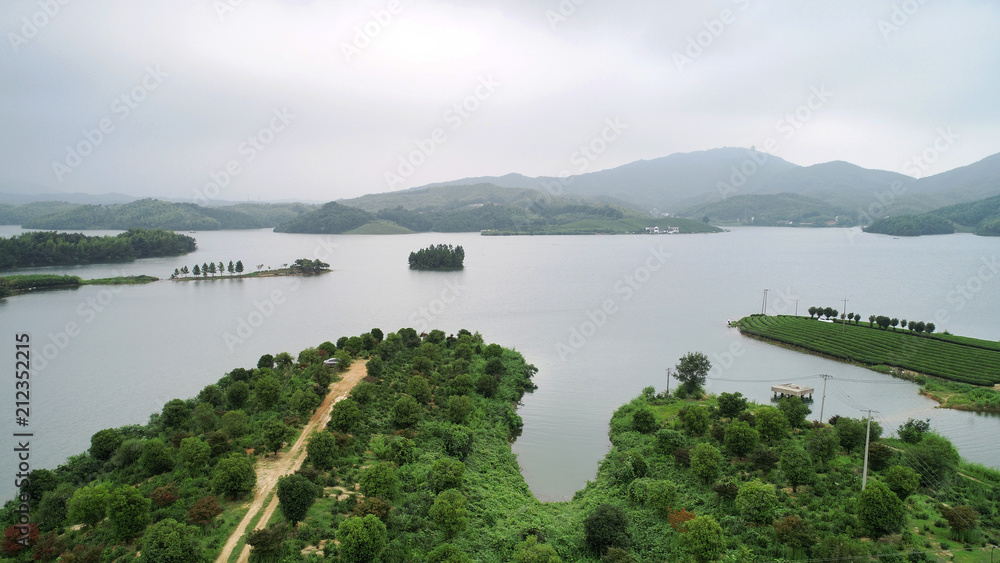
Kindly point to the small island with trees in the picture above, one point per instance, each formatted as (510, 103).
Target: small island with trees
(49, 248)
(441, 257)
(218, 271)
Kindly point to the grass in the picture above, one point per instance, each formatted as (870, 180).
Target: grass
(379, 228)
(964, 360)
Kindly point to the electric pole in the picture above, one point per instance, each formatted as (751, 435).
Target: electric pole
(668, 381)
(796, 307)
(868, 435)
(822, 401)
(763, 307)
(843, 320)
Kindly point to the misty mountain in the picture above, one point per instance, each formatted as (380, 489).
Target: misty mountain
(155, 214)
(765, 210)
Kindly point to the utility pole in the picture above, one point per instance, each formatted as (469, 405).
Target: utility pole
(668, 381)
(796, 307)
(868, 435)
(763, 307)
(822, 401)
(843, 321)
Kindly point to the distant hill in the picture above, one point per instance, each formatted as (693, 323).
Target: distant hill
(21, 214)
(156, 214)
(332, 218)
(911, 226)
(980, 217)
(771, 210)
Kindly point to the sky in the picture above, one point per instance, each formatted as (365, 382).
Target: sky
(321, 100)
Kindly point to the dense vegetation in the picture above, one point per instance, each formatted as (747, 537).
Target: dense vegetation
(966, 360)
(438, 257)
(34, 249)
(21, 214)
(769, 210)
(911, 226)
(156, 214)
(332, 218)
(10, 285)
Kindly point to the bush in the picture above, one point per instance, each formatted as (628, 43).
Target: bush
(756, 501)
(606, 526)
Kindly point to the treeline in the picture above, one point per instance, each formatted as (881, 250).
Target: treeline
(438, 257)
(769, 210)
(885, 322)
(207, 269)
(981, 217)
(36, 249)
(154, 214)
(911, 226)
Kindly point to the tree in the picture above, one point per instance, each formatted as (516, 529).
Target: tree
(197, 270)
(902, 480)
(156, 458)
(794, 532)
(104, 443)
(128, 512)
(741, 439)
(267, 391)
(54, 507)
(169, 541)
(194, 453)
(379, 480)
(322, 450)
(961, 519)
(275, 433)
(812, 312)
(871, 320)
(487, 385)
(731, 404)
(920, 327)
(459, 409)
(237, 394)
(419, 389)
(706, 462)
(231, 268)
(829, 312)
(894, 322)
(929, 328)
(239, 267)
(205, 417)
(695, 419)
(211, 268)
(703, 539)
(795, 409)
(176, 414)
(880, 511)
(771, 423)
(89, 505)
(912, 431)
(235, 423)
(644, 421)
(447, 553)
(851, 433)
(606, 526)
(756, 501)
(934, 458)
(406, 412)
(234, 476)
(344, 415)
(204, 510)
(796, 467)
(296, 495)
(267, 543)
(692, 370)
(378, 334)
(449, 513)
(530, 551)
(362, 540)
(822, 444)
(304, 401)
(446, 473)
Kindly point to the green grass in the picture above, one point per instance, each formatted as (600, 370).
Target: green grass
(965, 360)
(121, 280)
(379, 228)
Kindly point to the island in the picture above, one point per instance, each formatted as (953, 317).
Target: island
(221, 271)
(440, 257)
(400, 451)
(49, 248)
(14, 285)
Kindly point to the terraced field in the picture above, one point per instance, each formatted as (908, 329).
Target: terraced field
(963, 359)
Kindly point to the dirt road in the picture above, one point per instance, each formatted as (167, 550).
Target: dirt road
(285, 463)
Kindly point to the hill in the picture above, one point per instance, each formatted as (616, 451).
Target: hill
(771, 210)
(980, 217)
(911, 226)
(154, 214)
(332, 218)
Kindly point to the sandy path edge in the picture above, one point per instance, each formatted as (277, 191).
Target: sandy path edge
(289, 462)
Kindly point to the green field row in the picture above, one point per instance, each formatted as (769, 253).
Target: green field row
(967, 360)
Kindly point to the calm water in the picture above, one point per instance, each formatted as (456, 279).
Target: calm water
(601, 317)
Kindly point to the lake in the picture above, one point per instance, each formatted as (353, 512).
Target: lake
(601, 317)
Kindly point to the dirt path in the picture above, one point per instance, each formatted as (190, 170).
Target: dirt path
(275, 467)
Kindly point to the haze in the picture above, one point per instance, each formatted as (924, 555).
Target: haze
(319, 100)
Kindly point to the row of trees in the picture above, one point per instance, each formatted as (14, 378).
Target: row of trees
(884, 322)
(35, 249)
(209, 268)
(438, 257)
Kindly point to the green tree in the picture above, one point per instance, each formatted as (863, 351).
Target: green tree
(169, 541)
(934, 458)
(128, 512)
(296, 495)
(205, 417)
(322, 450)
(912, 431)
(795, 409)
(447, 553)
(104, 443)
(449, 513)
(304, 402)
(267, 543)
(379, 480)
(344, 415)
(644, 421)
(695, 420)
(231, 268)
(197, 270)
(156, 458)
(756, 501)
(89, 505)
(362, 540)
(235, 423)
(234, 476)
(741, 439)
(902, 480)
(406, 412)
(176, 414)
(731, 404)
(459, 409)
(692, 370)
(239, 267)
(419, 389)
(706, 462)
(275, 433)
(703, 539)
(237, 394)
(267, 391)
(487, 385)
(194, 453)
(796, 467)
(851, 433)
(606, 526)
(53, 508)
(530, 551)
(880, 511)
(461, 384)
(822, 444)
(446, 473)
(771, 423)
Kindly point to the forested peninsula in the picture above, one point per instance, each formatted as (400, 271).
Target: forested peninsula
(49, 248)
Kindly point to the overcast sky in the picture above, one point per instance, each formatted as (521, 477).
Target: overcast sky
(322, 100)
